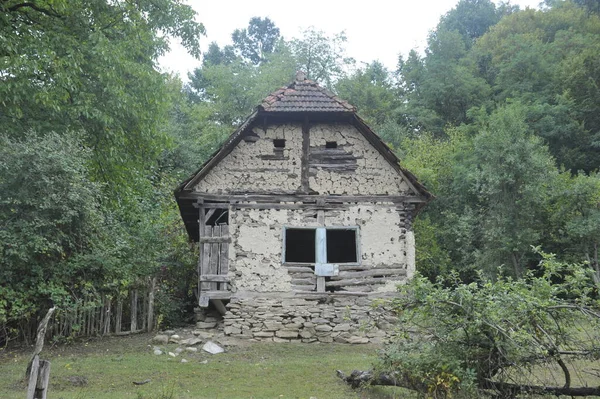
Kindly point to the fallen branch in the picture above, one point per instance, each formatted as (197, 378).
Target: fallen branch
(539, 389)
(360, 378)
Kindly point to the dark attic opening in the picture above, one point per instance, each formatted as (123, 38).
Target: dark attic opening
(331, 144)
(299, 245)
(279, 143)
(216, 217)
(341, 246)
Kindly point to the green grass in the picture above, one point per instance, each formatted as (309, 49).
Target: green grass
(258, 370)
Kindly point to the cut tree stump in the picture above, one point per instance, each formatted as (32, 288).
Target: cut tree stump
(38, 371)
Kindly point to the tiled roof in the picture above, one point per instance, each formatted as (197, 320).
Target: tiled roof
(304, 95)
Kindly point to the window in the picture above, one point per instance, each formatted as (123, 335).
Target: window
(331, 144)
(321, 245)
(279, 143)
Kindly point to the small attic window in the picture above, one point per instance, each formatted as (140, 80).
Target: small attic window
(331, 144)
(279, 143)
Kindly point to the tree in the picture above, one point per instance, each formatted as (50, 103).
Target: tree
(548, 60)
(370, 89)
(575, 218)
(42, 234)
(254, 43)
(501, 182)
(492, 337)
(323, 58)
(88, 66)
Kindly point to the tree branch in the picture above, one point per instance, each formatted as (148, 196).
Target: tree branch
(35, 7)
(360, 378)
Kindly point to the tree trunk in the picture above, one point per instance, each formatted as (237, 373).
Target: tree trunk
(151, 304)
(360, 378)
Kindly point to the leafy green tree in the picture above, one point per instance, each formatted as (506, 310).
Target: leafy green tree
(500, 184)
(372, 90)
(89, 66)
(49, 209)
(473, 18)
(492, 337)
(254, 43)
(548, 61)
(575, 218)
(323, 58)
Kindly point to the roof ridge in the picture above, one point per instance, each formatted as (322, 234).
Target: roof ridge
(297, 97)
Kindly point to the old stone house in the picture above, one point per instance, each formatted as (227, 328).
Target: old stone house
(303, 217)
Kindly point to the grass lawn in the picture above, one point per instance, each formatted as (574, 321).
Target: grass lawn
(106, 368)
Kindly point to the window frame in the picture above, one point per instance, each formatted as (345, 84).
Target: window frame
(324, 249)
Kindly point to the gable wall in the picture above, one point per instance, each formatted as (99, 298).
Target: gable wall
(355, 167)
(369, 174)
(248, 168)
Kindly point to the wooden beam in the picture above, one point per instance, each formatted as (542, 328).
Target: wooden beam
(217, 294)
(296, 197)
(305, 156)
(362, 281)
(215, 278)
(215, 239)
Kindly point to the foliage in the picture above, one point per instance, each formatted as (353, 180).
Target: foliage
(84, 205)
(372, 91)
(323, 58)
(89, 66)
(50, 213)
(257, 41)
(460, 338)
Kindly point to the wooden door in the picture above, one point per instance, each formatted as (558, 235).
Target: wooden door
(213, 263)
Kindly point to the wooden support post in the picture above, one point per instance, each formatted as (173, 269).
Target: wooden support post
(33, 374)
(42, 380)
(220, 307)
(305, 157)
(224, 261)
(321, 248)
(214, 258)
(201, 224)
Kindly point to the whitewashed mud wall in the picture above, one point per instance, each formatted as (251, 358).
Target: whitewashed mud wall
(255, 255)
(363, 170)
(256, 166)
(354, 167)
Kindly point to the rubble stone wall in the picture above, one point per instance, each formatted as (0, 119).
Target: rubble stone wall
(343, 319)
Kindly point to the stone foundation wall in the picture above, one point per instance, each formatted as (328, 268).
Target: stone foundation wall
(332, 318)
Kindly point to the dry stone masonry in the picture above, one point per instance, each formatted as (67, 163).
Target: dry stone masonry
(350, 320)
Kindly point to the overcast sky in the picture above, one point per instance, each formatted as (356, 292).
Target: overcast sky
(376, 29)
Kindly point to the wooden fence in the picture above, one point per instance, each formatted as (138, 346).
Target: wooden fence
(106, 316)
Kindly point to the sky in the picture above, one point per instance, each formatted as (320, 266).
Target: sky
(375, 29)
